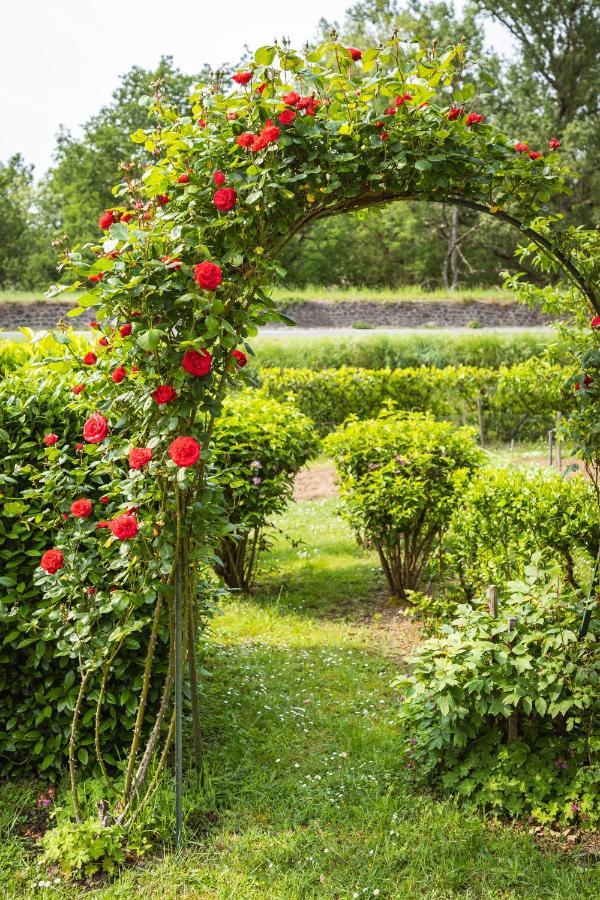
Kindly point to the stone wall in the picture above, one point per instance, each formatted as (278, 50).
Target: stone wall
(324, 314)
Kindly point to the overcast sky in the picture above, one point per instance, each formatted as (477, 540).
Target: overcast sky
(60, 60)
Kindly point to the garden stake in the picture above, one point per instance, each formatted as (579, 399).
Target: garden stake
(178, 704)
(513, 719)
(480, 419)
(550, 446)
(558, 443)
(492, 595)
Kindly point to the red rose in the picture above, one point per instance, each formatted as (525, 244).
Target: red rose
(355, 54)
(245, 139)
(103, 342)
(270, 132)
(208, 275)
(185, 451)
(384, 135)
(162, 199)
(102, 524)
(90, 359)
(139, 457)
(403, 98)
(183, 179)
(124, 527)
(474, 119)
(78, 388)
(50, 439)
(78, 448)
(287, 116)
(91, 592)
(595, 322)
(202, 123)
(219, 178)
(95, 429)
(240, 358)
(261, 87)
(225, 199)
(311, 107)
(259, 142)
(164, 393)
(553, 143)
(96, 278)
(521, 147)
(125, 330)
(82, 509)
(242, 77)
(389, 111)
(108, 218)
(292, 98)
(587, 380)
(52, 561)
(94, 324)
(379, 124)
(126, 216)
(172, 262)
(119, 375)
(534, 154)
(196, 363)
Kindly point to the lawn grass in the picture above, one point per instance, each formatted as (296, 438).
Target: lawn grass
(307, 795)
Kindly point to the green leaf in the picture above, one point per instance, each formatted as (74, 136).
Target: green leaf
(149, 340)
(264, 56)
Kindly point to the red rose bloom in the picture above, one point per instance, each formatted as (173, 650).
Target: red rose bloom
(240, 358)
(383, 135)
(108, 218)
(587, 380)
(245, 139)
(139, 457)
(172, 262)
(270, 132)
(96, 278)
(78, 388)
(103, 342)
(521, 147)
(389, 111)
(404, 98)
(78, 447)
(52, 561)
(102, 524)
(208, 275)
(474, 119)
(95, 429)
(183, 179)
(261, 87)
(355, 54)
(82, 509)
(292, 98)
(259, 142)
(202, 123)
(164, 393)
(534, 154)
(162, 199)
(125, 330)
(225, 199)
(553, 144)
(196, 363)
(126, 216)
(90, 359)
(242, 77)
(287, 116)
(124, 527)
(185, 451)
(219, 178)
(105, 499)
(50, 439)
(119, 375)
(595, 322)
(91, 592)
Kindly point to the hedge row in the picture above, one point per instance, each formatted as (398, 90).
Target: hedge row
(404, 351)
(518, 403)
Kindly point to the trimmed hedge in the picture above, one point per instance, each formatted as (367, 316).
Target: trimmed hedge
(518, 402)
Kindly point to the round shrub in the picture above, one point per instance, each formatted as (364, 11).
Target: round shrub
(259, 447)
(509, 513)
(507, 718)
(400, 476)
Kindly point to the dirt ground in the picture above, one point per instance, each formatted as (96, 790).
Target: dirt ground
(316, 483)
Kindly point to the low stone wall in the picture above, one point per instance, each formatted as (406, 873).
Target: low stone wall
(324, 314)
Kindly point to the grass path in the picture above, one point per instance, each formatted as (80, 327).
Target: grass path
(307, 795)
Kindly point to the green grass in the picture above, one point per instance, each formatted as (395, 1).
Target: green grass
(307, 795)
(404, 292)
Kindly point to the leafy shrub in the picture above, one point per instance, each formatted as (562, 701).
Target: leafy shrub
(517, 402)
(467, 683)
(400, 476)
(509, 513)
(85, 848)
(14, 354)
(258, 449)
(38, 686)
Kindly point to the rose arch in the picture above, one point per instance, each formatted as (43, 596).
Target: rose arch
(179, 282)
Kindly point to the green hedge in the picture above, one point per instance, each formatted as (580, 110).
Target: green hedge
(519, 402)
(404, 351)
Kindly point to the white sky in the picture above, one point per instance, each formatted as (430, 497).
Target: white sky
(60, 60)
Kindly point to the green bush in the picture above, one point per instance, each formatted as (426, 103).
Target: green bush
(477, 676)
(14, 354)
(518, 402)
(258, 449)
(37, 674)
(509, 513)
(400, 476)
(406, 351)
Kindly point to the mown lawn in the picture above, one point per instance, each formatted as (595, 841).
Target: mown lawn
(306, 794)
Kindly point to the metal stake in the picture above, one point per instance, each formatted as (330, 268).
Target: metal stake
(178, 705)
